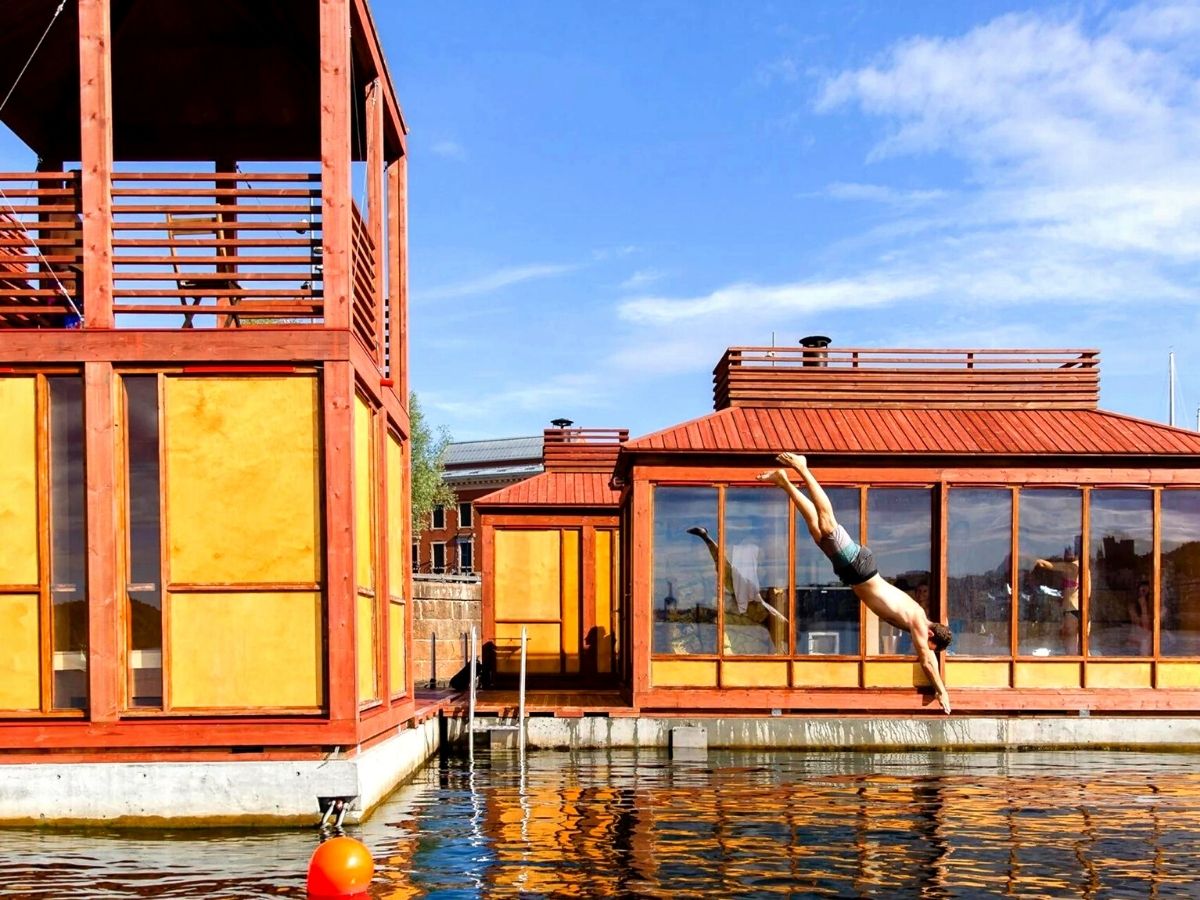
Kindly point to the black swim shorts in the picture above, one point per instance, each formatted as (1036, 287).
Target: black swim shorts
(860, 569)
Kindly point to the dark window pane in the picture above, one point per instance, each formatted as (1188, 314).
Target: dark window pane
(1121, 605)
(1050, 537)
(68, 543)
(1180, 573)
(900, 533)
(827, 612)
(685, 578)
(145, 560)
(438, 517)
(756, 607)
(439, 557)
(464, 515)
(979, 569)
(466, 552)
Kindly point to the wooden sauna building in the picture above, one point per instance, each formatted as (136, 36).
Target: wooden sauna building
(1060, 543)
(204, 526)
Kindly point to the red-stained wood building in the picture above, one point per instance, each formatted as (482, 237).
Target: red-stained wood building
(1060, 542)
(203, 379)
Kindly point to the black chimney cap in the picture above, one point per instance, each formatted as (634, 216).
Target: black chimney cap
(814, 340)
(561, 423)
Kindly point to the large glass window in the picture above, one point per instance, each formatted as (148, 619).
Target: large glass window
(68, 544)
(827, 612)
(756, 602)
(144, 588)
(685, 575)
(900, 530)
(979, 571)
(1050, 538)
(1121, 603)
(1180, 630)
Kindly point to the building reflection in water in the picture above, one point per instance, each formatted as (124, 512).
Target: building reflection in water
(735, 824)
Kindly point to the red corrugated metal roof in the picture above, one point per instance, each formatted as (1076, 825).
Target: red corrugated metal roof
(556, 489)
(934, 431)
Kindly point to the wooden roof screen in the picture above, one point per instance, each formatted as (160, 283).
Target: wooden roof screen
(848, 378)
(582, 449)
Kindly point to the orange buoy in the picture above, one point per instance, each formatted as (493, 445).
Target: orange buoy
(340, 867)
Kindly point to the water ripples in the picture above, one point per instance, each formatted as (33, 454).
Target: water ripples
(928, 825)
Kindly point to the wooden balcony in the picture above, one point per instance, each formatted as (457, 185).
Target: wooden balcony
(190, 250)
(858, 377)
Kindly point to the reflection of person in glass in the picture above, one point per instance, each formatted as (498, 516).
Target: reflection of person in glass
(741, 578)
(1068, 569)
(1140, 620)
(855, 565)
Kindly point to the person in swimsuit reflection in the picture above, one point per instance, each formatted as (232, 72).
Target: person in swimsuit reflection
(855, 566)
(1068, 569)
(741, 578)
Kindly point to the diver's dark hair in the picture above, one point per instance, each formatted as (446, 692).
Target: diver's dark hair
(942, 636)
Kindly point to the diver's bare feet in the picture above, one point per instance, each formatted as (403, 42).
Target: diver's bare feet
(795, 460)
(775, 476)
(699, 531)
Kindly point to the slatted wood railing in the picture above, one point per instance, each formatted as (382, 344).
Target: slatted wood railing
(858, 377)
(40, 250)
(365, 321)
(203, 249)
(582, 449)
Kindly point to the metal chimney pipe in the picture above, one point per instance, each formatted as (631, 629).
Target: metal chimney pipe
(814, 350)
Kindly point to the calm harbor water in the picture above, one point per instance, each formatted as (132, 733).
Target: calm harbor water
(733, 824)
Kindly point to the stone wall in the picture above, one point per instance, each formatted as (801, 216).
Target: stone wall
(443, 614)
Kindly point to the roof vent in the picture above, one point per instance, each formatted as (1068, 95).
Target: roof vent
(561, 423)
(814, 350)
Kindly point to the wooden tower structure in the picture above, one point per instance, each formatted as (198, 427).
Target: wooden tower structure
(203, 381)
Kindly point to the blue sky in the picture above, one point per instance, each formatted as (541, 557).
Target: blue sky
(605, 196)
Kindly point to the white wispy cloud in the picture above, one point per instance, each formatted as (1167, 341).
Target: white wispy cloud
(448, 149)
(641, 279)
(494, 281)
(1079, 148)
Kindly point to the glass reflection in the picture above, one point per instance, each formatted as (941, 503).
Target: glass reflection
(145, 588)
(685, 582)
(827, 612)
(756, 603)
(1050, 537)
(900, 531)
(979, 560)
(1121, 556)
(1180, 573)
(68, 544)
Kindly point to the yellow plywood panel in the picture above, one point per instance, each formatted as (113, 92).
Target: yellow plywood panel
(893, 674)
(1118, 675)
(20, 684)
(528, 583)
(1178, 675)
(368, 676)
(244, 651)
(397, 649)
(822, 673)
(1046, 675)
(243, 480)
(976, 674)
(18, 475)
(754, 674)
(572, 597)
(542, 652)
(398, 556)
(604, 601)
(683, 673)
(364, 489)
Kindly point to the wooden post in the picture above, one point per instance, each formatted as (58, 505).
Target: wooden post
(338, 403)
(375, 207)
(398, 273)
(335, 160)
(104, 585)
(96, 156)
